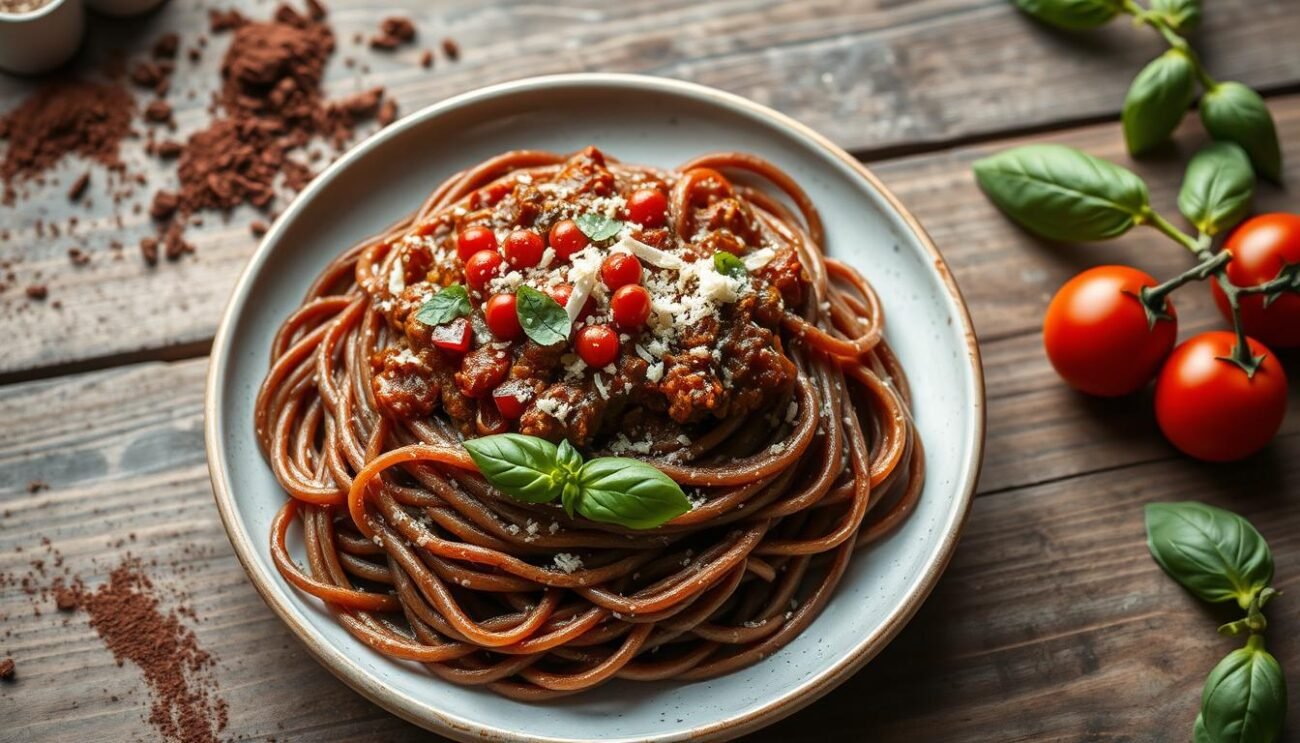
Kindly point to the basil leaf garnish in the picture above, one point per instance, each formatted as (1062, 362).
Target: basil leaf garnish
(1183, 15)
(1233, 112)
(542, 318)
(1075, 15)
(1062, 193)
(523, 467)
(628, 492)
(1199, 733)
(1157, 100)
(448, 304)
(1217, 188)
(1215, 554)
(1244, 697)
(598, 227)
(728, 264)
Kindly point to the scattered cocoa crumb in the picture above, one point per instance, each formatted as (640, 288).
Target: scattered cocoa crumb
(149, 250)
(78, 256)
(225, 20)
(146, 74)
(166, 45)
(37, 291)
(158, 111)
(168, 149)
(451, 48)
(387, 112)
(258, 227)
(6, 669)
(174, 245)
(36, 486)
(316, 10)
(164, 205)
(78, 187)
(426, 58)
(393, 32)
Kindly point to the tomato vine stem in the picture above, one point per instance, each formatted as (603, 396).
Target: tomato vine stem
(1142, 16)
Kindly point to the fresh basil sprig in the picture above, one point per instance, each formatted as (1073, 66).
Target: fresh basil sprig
(1232, 112)
(1075, 15)
(728, 264)
(613, 490)
(1062, 193)
(1217, 188)
(1157, 100)
(1244, 697)
(448, 304)
(1219, 556)
(1181, 15)
(1215, 554)
(542, 318)
(598, 227)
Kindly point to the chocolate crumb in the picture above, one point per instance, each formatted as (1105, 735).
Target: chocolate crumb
(7, 669)
(387, 112)
(158, 111)
(166, 45)
(426, 58)
(316, 10)
(149, 250)
(164, 205)
(78, 187)
(78, 256)
(37, 292)
(258, 227)
(169, 149)
(36, 486)
(451, 48)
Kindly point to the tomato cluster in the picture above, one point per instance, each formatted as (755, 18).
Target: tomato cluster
(1104, 340)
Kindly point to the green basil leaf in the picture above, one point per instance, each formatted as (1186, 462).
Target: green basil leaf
(598, 227)
(728, 264)
(1075, 15)
(628, 492)
(1182, 15)
(1217, 188)
(1199, 733)
(522, 467)
(542, 318)
(1157, 100)
(1233, 112)
(1215, 554)
(448, 304)
(1062, 193)
(1244, 700)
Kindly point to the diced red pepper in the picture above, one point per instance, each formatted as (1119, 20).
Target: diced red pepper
(453, 336)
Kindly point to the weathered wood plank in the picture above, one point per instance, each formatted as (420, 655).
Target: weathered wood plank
(1051, 603)
(876, 76)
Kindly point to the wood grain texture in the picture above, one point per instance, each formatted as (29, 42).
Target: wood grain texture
(875, 76)
(1051, 607)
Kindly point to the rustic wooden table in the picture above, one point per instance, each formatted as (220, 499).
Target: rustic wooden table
(1052, 621)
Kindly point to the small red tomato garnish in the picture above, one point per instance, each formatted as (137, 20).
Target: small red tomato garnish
(560, 293)
(523, 248)
(1210, 408)
(453, 336)
(567, 238)
(1261, 247)
(630, 306)
(647, 207)
(481, 267)
(620, 269)
(597, 345)
(1097, 335)
(512, 398)
(501, 317)
(473, 239)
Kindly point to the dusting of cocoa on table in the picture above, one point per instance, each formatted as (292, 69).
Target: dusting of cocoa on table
(6, 669)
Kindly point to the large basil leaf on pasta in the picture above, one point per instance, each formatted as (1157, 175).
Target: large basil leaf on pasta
(1062, 193)
(1076, 15)
(448, 304)
(542, 318)
(1157, 100)
(1244, 699)
(1217, 188)
(628, 492)
(1182, 15)
(1233, 112)
(522, 467)
(1215, 554)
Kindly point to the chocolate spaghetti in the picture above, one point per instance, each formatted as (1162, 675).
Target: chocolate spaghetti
(767, 393)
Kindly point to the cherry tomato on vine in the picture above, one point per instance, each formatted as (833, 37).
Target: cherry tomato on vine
(1097, 336)
(1208, 406)
(1260, 247)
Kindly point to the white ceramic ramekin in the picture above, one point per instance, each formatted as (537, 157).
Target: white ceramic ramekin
(41, 39)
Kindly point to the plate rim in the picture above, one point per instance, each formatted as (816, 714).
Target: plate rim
(423, 713)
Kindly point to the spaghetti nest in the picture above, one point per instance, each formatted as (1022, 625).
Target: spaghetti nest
(421, 559)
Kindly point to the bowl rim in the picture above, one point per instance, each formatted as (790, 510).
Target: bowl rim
(32, 15)
(423, 713)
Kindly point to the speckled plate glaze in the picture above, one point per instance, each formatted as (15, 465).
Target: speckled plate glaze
(645, 120)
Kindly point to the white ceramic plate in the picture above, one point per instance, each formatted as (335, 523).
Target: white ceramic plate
(643, 120)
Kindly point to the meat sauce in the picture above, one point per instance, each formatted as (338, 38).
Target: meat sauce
(708, 348)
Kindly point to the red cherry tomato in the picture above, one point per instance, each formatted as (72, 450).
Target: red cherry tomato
(597, 345)
(630, 306)
(561, 293)
(523, 248)
(512, 398)
(454, 336)
(481, 268)
(501, 317)
(1260, 247)
(567, 239)
(489, 195)
(1209, 408)
(647, 207)
(1096, 332)
(620, 269)
(473, 239)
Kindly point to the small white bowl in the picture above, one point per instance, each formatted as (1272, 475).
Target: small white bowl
(41, 39)
(123, 8)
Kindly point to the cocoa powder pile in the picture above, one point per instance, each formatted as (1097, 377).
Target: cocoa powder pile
(69, 117)
(185, 705)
